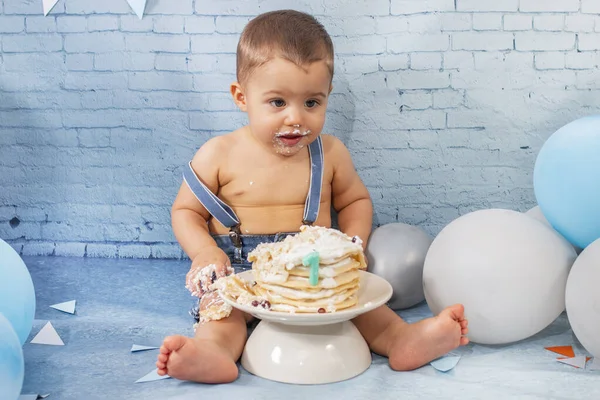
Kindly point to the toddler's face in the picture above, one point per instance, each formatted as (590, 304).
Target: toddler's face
(286, 104)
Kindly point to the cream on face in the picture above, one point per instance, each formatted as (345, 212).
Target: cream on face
(289, 141)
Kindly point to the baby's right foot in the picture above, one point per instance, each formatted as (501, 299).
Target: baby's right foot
(417, 344)
(197, 360)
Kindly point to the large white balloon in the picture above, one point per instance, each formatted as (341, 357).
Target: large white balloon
(397, 252)
(509, 271)
(583, 298)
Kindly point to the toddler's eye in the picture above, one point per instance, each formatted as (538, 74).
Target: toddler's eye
(311, 103)
(277, 103)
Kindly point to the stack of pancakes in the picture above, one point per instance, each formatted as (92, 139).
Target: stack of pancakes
(282, 276)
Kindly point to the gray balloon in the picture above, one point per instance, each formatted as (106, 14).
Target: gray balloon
(396, 252)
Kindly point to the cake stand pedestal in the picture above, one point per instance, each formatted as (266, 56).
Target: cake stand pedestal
(311, 348)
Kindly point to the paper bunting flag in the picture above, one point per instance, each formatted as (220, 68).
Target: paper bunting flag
(67, 306)
(569, 357)
(137, 347)
(33, 396)
(151, 376)
(566, 351)
(48, 5)
(48, 335)
(446, 363)
(138, 6)
(577, 362)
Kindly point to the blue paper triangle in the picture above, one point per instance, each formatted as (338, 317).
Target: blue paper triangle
(446, 363)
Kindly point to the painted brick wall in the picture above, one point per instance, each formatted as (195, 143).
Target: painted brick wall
(443, 103)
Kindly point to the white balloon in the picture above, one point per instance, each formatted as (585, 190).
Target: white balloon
(536, 213)
(506, 268)
(583, 298)
(396, 252)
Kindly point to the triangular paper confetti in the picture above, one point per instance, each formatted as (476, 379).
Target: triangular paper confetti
(48, 335)
(67, 306)
(48, 5)
(446, 363)
(138, 6)
(137, 347)
(594, 365)
(566, 351)
(577, 362)
(151, 376)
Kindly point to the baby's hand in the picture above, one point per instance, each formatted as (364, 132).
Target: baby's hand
(211, 299)
(207, 267)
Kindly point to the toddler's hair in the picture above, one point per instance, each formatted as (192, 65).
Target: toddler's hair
(292, 35)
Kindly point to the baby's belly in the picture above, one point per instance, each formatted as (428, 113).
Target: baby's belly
(271, 219)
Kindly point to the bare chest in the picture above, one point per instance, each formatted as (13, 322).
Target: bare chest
(256, 186)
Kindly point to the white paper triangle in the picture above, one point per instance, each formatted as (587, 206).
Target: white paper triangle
(594, 364)
(577, 362)
(138, 6)
(137, 347)
(48, 5)
(151, 376)
(48, 335)
(67, 306)
(446, 363)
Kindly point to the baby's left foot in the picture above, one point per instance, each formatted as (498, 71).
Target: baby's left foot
(415, 345)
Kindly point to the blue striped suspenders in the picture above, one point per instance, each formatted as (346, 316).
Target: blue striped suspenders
(227, 217)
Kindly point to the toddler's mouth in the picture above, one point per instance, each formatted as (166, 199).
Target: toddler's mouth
(291, 138)
(292, 134)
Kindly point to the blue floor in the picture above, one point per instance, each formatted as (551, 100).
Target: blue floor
(125, 302)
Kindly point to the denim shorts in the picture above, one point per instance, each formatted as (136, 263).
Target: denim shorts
(249, 243)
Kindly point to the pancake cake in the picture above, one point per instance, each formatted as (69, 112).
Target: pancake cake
(313, 271)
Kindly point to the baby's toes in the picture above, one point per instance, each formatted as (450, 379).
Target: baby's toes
(163, 358)
(464, 323)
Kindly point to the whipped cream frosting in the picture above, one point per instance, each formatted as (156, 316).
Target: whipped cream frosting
(272, 261)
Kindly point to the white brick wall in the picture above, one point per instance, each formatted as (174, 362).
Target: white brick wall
(549, 5)
(443, 104)
(517, 22)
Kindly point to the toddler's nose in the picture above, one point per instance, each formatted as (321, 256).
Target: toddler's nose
(293, 117)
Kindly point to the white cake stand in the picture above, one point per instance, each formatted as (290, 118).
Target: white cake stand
(311, 348)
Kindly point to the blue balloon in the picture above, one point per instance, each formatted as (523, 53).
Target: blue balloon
(12, 366)
(17, 295)
(566, 180)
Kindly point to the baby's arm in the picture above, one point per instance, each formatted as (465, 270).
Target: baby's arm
(189, 217)
(350, 197)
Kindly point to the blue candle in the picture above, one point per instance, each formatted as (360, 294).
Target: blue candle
(312, 260)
